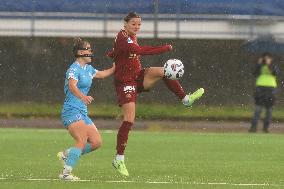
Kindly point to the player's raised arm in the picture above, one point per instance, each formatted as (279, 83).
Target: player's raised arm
(105, 73)
(126, 43)
(148, 50)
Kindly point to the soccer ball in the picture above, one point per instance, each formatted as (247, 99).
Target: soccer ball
(173, 69)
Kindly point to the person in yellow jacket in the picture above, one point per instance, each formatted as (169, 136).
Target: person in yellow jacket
(265, 72)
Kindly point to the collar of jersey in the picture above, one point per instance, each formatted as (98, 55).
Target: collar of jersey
(128, 35)
(83, 67)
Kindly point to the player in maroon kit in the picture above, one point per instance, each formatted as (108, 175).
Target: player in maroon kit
(130, 79)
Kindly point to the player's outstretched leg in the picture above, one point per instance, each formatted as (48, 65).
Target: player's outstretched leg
(189, 99)
(154, 74)
(176, 88)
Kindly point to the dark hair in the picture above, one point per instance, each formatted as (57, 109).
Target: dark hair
(266, 54)
(131, 15)
(79, 44)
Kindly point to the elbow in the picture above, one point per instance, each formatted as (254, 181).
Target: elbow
(135, 50)
(100, 76)
(72, 88)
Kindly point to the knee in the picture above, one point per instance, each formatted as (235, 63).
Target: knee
(130, 117)
(97, 144)
(81, 144)
(129, 121)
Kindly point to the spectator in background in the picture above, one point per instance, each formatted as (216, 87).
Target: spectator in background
(265, 72)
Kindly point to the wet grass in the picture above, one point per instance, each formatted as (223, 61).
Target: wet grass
(154, 160)
(144, 111)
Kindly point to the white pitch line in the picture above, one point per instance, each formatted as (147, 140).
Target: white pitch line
(35, 179)
(152, 182)
(120, 181)
(161, 182)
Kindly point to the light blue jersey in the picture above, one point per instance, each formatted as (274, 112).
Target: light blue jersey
(75, 109)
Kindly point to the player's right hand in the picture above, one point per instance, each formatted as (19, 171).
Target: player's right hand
(87, 99)
(170, 47)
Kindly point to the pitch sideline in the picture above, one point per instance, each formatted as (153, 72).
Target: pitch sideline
(152, 182)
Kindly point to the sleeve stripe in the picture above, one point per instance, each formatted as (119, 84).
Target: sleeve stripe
(95, 74)
(73, 77)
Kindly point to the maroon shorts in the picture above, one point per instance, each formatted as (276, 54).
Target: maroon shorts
(127, 92)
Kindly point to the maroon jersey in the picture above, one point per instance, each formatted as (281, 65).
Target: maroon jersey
(126, 55)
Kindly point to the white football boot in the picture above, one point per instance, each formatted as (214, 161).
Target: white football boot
(66, 174)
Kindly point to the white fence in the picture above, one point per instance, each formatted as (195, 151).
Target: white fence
(161, 25)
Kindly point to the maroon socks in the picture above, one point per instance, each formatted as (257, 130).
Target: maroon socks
(175, 87)
(122, 136)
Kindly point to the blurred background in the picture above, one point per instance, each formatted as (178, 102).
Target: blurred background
(217, 40)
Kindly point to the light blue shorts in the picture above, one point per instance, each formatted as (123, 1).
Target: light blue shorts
(71, 115)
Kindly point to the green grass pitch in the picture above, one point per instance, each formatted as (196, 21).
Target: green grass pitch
(154, 160)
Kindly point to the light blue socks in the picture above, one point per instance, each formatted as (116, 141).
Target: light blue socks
(73, 156)
(87, 149)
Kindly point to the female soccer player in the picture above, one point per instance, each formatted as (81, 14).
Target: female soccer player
(131, 79)
(74, 116)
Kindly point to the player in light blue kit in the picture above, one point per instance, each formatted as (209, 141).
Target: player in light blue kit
(74, 112)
